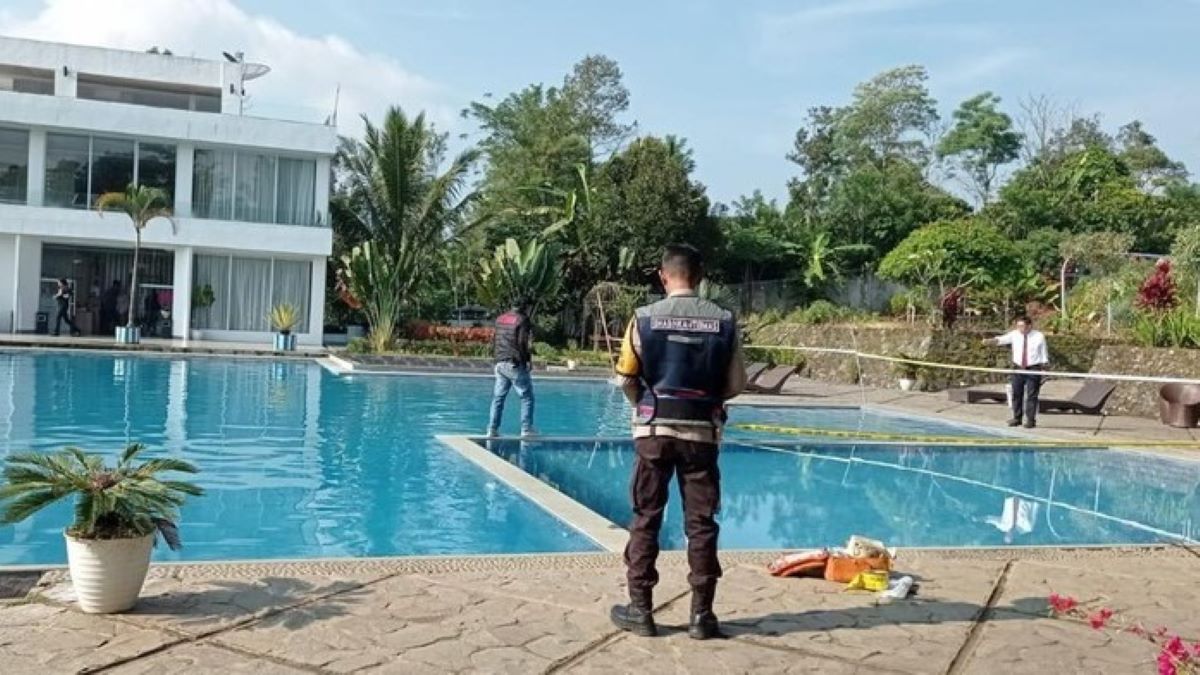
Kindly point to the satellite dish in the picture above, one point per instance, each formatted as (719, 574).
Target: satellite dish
(256, 70)
(230, 57)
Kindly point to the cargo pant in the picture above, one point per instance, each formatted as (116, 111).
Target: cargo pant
(695, 464)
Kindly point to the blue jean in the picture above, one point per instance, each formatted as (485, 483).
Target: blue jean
(512, 376)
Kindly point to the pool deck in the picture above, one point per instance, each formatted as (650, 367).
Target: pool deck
(976, 611)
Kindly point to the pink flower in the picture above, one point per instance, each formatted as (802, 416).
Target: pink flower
(1166, 665)
(1100, 618)
(1061, 604)
(1176, 649)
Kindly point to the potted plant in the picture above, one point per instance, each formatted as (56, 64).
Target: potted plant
(203, 297)
(119, 513)
(906, 371)
(142, 204)
(284, 318)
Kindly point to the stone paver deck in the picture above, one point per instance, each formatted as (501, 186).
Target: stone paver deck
(980, 611)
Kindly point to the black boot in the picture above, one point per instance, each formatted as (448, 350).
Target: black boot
(703, 623)
(638, 616)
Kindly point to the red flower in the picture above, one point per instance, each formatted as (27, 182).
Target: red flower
(1061, 604)
(1100, 618)
(1166, 665)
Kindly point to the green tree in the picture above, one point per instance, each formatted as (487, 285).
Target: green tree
(645, 198)
(396, 197)
(863, 166)
(1151, 166)
(952, 254)
(1102, 254)
(981, 141)
(142, 204)
(1185, 252)
(761, 241)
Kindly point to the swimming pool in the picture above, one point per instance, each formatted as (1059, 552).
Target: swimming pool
(788, 495)
(301, 463)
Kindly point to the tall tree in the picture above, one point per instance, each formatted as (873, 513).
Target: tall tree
(597, 96)
(863, 166)
(981, 141)
(396, 194)
(1155, 171)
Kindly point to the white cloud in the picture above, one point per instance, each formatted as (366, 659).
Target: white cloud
(305, 69)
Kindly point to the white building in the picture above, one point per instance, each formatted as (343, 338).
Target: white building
(250, 195)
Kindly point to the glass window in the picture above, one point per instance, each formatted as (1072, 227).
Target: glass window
(250, 294)
(67, 171)
(254, 200)
(14, 165)
(291, 285)
(155, 95)
(297, 186)
(212, 184)
(212, 271)
(112, 166)
(156, 167)
(26, 80)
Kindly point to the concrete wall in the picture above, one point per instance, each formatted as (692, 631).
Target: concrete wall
(71, 114)
(116, 63)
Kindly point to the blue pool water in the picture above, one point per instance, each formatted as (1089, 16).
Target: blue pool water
(800, 496)
(301, 463)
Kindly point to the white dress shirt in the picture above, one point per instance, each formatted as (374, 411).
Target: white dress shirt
(1036, 347)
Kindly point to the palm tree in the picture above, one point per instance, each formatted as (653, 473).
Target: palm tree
(142, 204)
(397, 197)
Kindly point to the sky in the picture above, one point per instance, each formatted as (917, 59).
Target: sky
(733, 77)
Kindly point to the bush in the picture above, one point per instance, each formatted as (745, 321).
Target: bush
(422, 330)
(899, 303)
(823, 311)
(1178, 328)
(775, 356)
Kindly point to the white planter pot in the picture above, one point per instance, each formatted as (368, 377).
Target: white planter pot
(107, 574)
(907, 384)
(285, 343)
(129, 336)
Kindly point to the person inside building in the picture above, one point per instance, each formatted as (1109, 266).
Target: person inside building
(680, 361)
(108, 307)
(512, 351)
(63, 298)
(1029, 353)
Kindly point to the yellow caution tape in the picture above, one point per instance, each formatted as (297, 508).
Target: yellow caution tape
(883, 436)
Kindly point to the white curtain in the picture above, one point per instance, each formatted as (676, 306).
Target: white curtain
(212, 270)
(292, 286)
(297, 184)
(212, 184)
(250, 294)
(255, 198)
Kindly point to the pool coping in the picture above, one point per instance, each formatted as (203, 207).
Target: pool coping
(603, 532)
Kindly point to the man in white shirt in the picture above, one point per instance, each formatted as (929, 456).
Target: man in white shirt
(1028, 353)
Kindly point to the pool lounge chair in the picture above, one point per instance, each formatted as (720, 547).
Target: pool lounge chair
(770, 381)
(978, 394)
(1089, 400)
(755, 369)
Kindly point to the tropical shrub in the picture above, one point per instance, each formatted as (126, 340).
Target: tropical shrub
(128, 500)
(423, 330)
(518, 275)
(372, 279)
(284, 317)
(142, 204)
(953, 254)
(1158, 292)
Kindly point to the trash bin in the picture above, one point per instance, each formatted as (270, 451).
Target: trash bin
(1179, 405)
(41, 323)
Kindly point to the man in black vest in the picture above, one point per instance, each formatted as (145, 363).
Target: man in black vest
(511, 349)
(680, 361)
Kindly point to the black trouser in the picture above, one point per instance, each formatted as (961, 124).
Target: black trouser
(1025, 392)
(63, 316)
(659, 458)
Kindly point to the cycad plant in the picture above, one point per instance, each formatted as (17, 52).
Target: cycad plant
(126, 501)
(519, 275)
(142, 204)
(284, 317)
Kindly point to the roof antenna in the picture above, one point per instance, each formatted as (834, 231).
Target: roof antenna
(337, 95)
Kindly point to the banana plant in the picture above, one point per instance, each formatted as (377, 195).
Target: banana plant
(378, 280)
(517, 275)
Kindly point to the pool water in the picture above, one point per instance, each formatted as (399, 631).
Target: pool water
(301, 463)
(800, 496)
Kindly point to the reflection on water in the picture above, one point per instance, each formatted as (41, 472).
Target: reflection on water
(804, 496)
